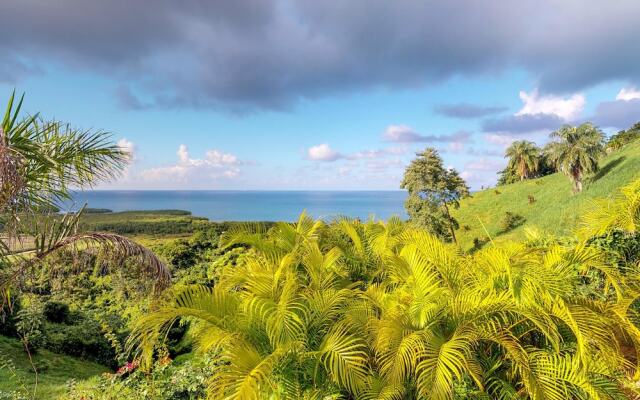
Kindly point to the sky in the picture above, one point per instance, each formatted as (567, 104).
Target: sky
(320, 95)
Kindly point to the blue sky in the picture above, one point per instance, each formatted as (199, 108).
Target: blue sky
(298, 95)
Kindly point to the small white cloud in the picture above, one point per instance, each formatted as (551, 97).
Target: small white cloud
(216, 164)
(323, 152)
(567, 109)
(627, 94)
(127, 146)
(183, 154)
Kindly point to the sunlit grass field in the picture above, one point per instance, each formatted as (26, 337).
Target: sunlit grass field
(555, 208)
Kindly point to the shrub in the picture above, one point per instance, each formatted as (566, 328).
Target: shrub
(30, 327)
(511, 221)
(479, 242)
(56, 312)
(84, 340)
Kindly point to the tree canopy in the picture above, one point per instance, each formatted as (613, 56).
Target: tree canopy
(576, 151)
(432, 189)
(524, 158)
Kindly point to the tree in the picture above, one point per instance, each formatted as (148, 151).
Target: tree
(40, 161)
(576, 151)
(623, 137)
(524, 158)
(432, 190)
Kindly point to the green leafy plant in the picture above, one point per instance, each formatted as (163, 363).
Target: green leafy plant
(511, 221)
(386, 310)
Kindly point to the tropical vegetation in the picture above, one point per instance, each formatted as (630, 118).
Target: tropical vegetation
(385, 310)
(343, 309)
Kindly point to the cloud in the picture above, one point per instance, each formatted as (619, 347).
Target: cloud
(566, 109)
(538, 113)
(406, 134)
(194, 171)
(501, 140)
(269, 54)
(323, 152)
(520, 124)
(467, 111)
(481, 172)
(619, 114)
(627, 94)
(127, 146)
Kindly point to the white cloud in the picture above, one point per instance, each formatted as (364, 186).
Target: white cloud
(401, 134)
(568, 109)
(627, 94)
(187, 170)
(323, 152)
(128, 147)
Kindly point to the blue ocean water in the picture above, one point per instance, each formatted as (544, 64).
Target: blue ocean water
(250, 205)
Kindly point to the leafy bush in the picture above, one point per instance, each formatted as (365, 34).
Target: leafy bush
(30, 326)
(621, 248)
(84, 339)
(168, 380)
(357, 310)
(56, 312)
(511, 221)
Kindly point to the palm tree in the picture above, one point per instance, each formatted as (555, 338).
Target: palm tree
(577, 151)
(387, 311)
(524, 158)
(40, 161)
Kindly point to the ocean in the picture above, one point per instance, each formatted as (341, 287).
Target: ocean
(250, 205)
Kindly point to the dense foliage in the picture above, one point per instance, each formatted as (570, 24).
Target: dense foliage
(385, 310)
(624, 137)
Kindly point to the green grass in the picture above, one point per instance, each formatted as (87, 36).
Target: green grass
(51, 382)
(556, 209)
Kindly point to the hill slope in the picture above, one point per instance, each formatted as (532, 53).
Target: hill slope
(19, 377)
(555, 210)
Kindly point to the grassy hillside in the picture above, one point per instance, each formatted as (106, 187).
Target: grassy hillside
(555, 210)
(52, 381)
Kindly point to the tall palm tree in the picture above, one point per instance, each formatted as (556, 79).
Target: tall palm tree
(302, 317)
(576, 151)
(524, 158)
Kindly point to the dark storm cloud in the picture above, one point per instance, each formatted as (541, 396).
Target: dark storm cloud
(466, 110)
(256, 54)
(521, 124)
(619, 114)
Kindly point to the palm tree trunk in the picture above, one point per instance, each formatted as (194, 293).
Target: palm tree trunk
(453, 233)
(577, 180)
